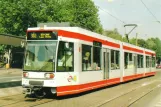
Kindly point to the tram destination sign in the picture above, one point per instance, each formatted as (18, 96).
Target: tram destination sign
(45, 35)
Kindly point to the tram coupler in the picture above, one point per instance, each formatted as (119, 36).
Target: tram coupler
(37, 92)
(29, 91)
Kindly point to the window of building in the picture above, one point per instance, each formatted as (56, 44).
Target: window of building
(140, 60)
(86, 57)
(65, 59)
(115, 56)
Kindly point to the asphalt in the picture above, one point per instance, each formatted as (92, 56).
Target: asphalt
(10, 81)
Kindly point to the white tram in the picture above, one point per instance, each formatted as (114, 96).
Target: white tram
(70, 60)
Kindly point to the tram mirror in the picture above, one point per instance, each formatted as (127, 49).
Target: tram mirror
(67, 45)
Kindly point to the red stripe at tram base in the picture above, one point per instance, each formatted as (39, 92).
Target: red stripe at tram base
(132, 77)
(74, 89)
(150, 73)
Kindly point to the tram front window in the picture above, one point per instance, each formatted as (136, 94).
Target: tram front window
(40, 56)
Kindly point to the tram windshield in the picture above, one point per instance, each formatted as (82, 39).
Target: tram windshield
(40, 56)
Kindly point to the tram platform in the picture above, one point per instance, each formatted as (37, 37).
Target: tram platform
(10, 71)
(10, 81)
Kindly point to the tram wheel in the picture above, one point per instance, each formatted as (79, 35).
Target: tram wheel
(39, 93)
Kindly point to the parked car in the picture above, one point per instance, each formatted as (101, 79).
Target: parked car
(158, 66)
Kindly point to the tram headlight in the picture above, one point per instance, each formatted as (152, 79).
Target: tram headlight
(25, 74)
(49, 75)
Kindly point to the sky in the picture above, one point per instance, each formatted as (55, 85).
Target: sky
(131, 12)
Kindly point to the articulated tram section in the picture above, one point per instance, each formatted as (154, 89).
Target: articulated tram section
(64, 77)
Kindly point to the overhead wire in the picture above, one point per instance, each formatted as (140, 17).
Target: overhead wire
(111, 15)
(150, 12)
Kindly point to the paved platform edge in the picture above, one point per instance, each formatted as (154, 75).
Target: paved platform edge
(11, 91)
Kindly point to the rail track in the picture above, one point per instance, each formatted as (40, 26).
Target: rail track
(20, 101)
(131, 96)
(131, 91)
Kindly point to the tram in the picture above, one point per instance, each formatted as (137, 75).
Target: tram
(71, 60)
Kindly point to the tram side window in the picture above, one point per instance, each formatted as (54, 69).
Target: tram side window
(128, 60)
(65, 60)
(125, 59)
(118, 59)
(153, 62)
(86, 57)
(115, 55)
(96, 58)
(147, 61)
(130, 57)
(140, 61)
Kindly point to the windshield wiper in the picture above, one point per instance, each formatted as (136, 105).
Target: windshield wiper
(47, 63)
(46, 47)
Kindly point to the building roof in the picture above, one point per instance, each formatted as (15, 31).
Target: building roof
(13, 40)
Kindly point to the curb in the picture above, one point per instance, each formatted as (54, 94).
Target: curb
(10, 84)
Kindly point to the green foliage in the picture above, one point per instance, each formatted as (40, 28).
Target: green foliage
(113, 34)
(154, 44)
(17, 15)
(141, 43)
(124, 39)
(138, 42)
(2, 48)
(86, 16)
(151, 43)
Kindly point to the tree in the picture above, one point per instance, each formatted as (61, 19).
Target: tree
(86, 15)
(2, 48)
(17, 16)
(113, 34)
(155, 45)
(138, 42)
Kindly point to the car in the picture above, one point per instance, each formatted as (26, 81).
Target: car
(158, 66)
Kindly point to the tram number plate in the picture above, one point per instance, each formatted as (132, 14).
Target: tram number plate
(39, 83)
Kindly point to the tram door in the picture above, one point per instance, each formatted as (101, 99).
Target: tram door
(150, 63)
(105, 63)
(135, 63)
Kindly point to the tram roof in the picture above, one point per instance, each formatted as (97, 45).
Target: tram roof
(9, 39)
(87, 32)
